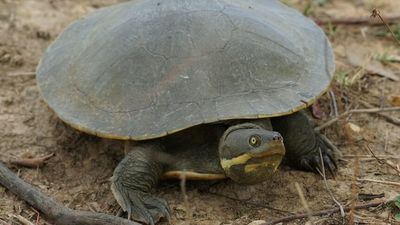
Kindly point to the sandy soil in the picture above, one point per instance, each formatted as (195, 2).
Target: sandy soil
(78, 175)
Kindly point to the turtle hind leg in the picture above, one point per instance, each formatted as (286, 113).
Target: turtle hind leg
(303, 144)
(134, 178)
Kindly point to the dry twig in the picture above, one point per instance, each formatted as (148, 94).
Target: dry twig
(37, 215)
(334, 103)
(354, 190)
(388, 118)
(323, 174)
(15, 74)
(379, 181)
(33, 162)
(185, 197)
(2, 222)
(302, 198)
(23, 220)
(322, 212)
(382, 161)
(357, 21)
(54, 211)
(386, 141)
(371, 110)
(372, 157)
(375, 13)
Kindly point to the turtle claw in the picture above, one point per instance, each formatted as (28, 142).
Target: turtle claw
(327, 156)
(146, 208)
(330, 164)
(141, 206)
(158, 207)
(305, 165)
(312, 161)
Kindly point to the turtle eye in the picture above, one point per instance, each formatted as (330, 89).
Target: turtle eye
(255, 140)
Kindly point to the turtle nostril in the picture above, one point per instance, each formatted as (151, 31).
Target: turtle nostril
(277, 137)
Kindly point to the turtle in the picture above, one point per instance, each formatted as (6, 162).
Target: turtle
(209, 90)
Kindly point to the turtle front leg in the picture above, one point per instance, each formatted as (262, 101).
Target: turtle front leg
(133, 180)
(302, 144)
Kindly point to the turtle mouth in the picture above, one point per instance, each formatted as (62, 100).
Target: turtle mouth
(255, 166)
(271, 149)
(269, 162)
(269, 158)
(271, 152)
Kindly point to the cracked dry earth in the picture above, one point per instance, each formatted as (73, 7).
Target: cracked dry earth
(78, 175)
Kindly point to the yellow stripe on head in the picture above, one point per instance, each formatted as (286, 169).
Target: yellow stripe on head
(242, 159)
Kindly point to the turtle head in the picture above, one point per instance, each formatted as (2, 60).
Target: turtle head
(250, 154)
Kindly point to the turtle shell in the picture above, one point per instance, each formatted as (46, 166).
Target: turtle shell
(144, 69)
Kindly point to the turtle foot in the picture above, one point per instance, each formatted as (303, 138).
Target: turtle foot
(142, 206)
(312, 160)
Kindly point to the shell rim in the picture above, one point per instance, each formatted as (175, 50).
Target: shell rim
(149, 137)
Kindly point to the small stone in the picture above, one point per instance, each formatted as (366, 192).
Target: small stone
(17, 61)
(8, 100)
(5, 58)
(384, 215)
(257, 222)
(43, 35)
(94, 206)
(353, 131)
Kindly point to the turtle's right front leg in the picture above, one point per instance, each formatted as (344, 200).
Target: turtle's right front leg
(133, 180)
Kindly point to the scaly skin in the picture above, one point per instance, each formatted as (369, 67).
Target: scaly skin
(133, 180)
(138, 173)
(302, 144)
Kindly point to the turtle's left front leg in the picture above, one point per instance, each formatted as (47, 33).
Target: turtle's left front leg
(133, 180)
(302, 144)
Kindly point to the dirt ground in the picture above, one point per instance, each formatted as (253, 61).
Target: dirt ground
(78, 175)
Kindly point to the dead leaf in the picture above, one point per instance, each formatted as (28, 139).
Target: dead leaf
(361, 56)
(32, 162)
(394, 100)
(393, 58)
(316, 111)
